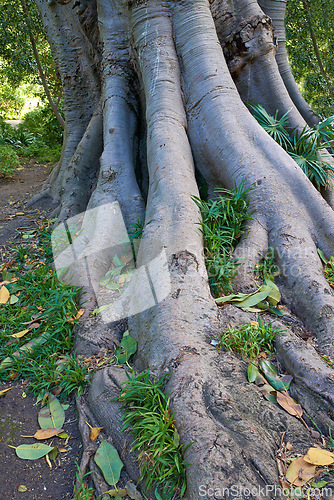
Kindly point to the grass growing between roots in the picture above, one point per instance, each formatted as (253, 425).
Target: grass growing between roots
(223, 221)
(37, 320)
(267, 268)
(147, 415)
(250, 339)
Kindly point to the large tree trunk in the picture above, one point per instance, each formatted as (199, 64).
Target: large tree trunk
(150, 80)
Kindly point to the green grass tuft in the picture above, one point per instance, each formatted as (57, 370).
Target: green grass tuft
(267, 268)
(223, 222)
(249, 339)
(147, 415)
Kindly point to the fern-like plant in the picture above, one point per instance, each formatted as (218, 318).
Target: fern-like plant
(303, 146)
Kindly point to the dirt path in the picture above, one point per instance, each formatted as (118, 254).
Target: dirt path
(18, 412)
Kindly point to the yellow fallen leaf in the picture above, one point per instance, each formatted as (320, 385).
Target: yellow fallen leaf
(20, 334)
(79, 313)
(120, 492)
(62, 450)
(48, 461)
(289, 405)
(318, 456)
(255, 323)
(300, 472)
(4, 391)
(22, 488)
(19, 213)
(47, 433)
(4, 295)
(95, 432)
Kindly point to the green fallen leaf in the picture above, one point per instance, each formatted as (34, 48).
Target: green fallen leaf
(32, 451)
(63, 435)
(277, 382)
(267, 367)
(321, 484)
(99, 309)
(108, 460)
(118, 262)
(13, 299)
(126, 349)
(252, 372)
(52, 416)
(265, 298)
(322, 256)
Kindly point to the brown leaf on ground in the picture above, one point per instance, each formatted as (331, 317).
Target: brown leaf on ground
(47, 433)
(300, 472)
(289, 405)
(95, 432)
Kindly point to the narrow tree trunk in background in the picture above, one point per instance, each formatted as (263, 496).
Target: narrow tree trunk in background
(53, 106)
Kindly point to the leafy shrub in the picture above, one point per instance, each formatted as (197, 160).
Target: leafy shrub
(222, 225)
(43, 124)
(9, 161)
(304, 147)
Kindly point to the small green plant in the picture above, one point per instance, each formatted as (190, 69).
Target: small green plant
(223, 221)
(249, 339)
(328, 267)
(303, 146)
(82, 492)
(9, 161)
(267, 267)
(147, 415)
(36, 324)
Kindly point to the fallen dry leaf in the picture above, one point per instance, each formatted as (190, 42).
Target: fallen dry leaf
(20, 334)
(289, 405)
(95, 432)
(318, 456)
(300, 472)
(4, 295)
(289, 446)
(62, 450)
(79, 313)
(4, 391)
(47, 433)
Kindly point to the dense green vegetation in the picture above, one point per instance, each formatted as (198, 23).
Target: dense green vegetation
(39, 137)
(309, 24)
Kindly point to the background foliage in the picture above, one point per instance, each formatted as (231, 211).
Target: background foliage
(301, 17)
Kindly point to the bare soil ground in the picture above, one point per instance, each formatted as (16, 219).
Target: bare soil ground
(18, 411)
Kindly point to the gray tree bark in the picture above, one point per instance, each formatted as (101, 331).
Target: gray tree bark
(153, 91)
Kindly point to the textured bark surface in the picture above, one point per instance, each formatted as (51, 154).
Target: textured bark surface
(153, 93)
